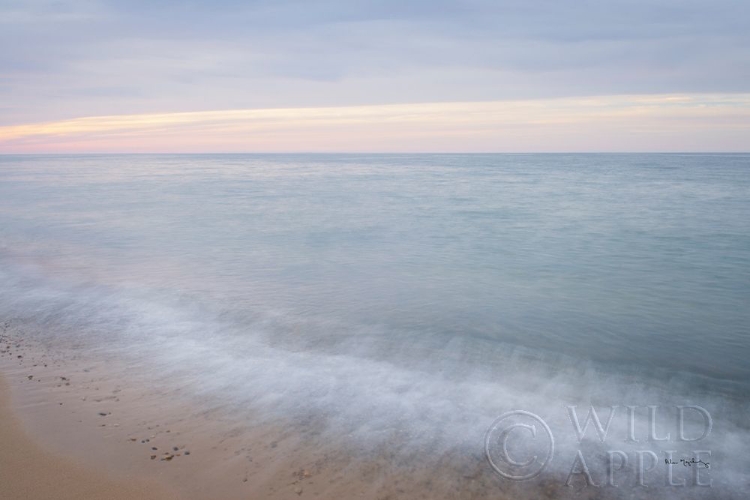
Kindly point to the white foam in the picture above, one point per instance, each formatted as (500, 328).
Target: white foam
(365, 382)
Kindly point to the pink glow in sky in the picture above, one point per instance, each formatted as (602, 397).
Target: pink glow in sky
(335, 75)
(613, 123)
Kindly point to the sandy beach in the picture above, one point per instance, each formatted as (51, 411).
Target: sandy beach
(28, 471)
(87, 434)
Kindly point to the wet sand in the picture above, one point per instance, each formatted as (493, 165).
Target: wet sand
(29, 472)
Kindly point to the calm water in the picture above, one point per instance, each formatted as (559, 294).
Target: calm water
(445, 269)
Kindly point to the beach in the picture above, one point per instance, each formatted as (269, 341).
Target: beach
(31, 472)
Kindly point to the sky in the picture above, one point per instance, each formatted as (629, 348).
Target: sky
(374, 76)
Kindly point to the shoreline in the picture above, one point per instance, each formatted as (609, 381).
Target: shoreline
(78, 410)
(75, 405)
(100, 412)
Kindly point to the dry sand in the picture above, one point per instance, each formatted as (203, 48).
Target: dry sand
(28, 472)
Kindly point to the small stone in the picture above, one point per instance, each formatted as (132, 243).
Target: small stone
(187, 453)
(103, 414)
(153, 457)
(154, 448)
(174, 448)
(298, 490)
(31, 377)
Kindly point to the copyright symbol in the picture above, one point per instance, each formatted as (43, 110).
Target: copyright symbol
(519, 445)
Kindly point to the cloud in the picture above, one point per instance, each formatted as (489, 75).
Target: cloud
(66, 59)
(608, 123)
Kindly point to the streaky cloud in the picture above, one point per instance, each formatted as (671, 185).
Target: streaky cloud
(603, 123)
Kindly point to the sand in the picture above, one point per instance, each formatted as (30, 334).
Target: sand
(28, 472)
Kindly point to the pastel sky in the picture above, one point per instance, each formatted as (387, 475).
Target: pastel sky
(347, 75)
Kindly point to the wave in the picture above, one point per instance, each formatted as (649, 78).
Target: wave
(437, 392)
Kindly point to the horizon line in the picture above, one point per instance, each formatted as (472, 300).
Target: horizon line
(383, 153)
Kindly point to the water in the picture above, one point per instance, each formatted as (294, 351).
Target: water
(437, 280)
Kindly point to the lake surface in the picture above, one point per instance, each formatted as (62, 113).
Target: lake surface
(393, 279)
